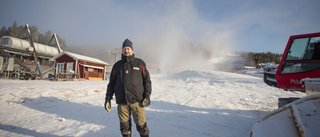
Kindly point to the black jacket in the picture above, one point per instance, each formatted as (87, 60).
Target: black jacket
(129, 80)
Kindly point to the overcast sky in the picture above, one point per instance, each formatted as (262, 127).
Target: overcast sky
(243, 25)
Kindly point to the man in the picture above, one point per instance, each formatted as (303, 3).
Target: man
(130, 81)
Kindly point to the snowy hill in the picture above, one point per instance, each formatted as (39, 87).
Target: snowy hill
(191, 103)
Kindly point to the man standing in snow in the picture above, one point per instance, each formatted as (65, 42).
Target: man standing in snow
(130, 81)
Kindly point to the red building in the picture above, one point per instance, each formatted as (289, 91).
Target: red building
(70, 65)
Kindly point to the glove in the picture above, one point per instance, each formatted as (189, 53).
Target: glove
(146, 102)
(107, 104)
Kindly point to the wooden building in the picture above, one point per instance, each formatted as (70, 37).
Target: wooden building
(74, 66)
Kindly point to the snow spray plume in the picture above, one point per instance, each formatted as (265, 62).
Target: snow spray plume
(175, 39)
(176, 44)
(174, 51)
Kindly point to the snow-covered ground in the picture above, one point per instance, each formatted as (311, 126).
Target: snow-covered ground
(192, 103)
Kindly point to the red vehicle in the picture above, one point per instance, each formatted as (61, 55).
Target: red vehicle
(300, 63)
(301, 59)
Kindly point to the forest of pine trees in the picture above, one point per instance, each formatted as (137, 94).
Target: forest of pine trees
(256, 58)
(15, 31)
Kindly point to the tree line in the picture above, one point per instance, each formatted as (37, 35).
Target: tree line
(15, 31)
(253, 59)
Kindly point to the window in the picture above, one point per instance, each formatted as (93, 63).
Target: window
(60, 67)
(290, 68)
(91, 69)
(70, 68)
(304, 49)
(5, 41)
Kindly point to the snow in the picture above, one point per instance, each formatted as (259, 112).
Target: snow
(191, 103)
(79, 57)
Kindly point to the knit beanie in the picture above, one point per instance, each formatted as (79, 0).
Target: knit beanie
(127, 43)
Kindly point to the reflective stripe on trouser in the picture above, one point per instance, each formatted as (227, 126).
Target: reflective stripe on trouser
(137, 110)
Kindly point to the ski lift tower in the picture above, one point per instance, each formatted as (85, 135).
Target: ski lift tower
(115, 52)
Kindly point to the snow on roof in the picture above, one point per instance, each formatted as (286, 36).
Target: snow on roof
(268, 64)
(249, 67)
(80, 57)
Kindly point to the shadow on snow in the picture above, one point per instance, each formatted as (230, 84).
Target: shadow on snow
(164, 119)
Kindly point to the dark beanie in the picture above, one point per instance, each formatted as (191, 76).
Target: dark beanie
(127, 43)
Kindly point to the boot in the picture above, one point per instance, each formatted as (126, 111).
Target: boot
(123, 135)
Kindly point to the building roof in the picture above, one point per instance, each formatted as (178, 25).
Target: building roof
(80, 57)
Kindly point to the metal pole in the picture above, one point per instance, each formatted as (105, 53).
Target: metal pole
(34, 50)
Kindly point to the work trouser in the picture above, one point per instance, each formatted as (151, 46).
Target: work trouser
(137, 110)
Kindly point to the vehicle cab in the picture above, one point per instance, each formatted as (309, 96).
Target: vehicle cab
(301, 59)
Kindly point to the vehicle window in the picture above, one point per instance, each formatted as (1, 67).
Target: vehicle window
(297, 49)
(289, 68)
(315, 44)
(304, 49)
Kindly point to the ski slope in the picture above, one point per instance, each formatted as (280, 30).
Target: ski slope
(191, 103)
